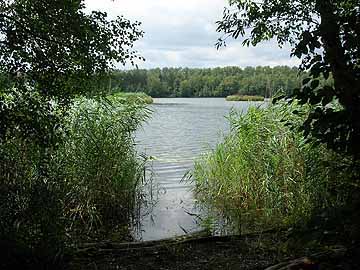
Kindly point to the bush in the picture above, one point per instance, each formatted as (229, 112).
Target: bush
(30, 200)
(264, 173)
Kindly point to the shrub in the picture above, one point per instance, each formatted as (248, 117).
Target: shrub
(30, 200)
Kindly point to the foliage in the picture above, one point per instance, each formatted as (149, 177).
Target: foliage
(91, 188)
(263, 174)
(326, 35)
(244, 98)
(215, 82)
(43, 54)
(99, 164)
(40, 44)
(25, 187)
(50, 52)
(134, 96)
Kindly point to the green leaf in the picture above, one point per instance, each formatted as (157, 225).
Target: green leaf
(306, 81)
(315, 84)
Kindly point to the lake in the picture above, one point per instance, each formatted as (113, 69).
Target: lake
(180, 130)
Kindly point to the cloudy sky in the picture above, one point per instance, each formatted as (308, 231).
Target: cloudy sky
(181, 33)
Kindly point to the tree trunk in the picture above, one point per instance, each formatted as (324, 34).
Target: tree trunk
(347, 82)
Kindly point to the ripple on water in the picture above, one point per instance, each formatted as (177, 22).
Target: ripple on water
(179, 131)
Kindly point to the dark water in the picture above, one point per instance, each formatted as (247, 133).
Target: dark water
(178, 132)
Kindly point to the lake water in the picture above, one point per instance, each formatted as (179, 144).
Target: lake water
(178, 132)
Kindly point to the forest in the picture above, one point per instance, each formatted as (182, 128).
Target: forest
(208, 82)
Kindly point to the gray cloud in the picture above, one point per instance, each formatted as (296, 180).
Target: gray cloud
(183, 33)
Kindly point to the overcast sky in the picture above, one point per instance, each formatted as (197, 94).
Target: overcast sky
(181, 33)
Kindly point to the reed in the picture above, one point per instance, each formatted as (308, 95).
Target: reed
(99, 163)
(87, 186)
(264, 174)
(134, 96)
(244, 98)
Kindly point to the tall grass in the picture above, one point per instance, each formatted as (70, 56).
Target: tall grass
(244, 98)
(264, 174)
(134, 96)
(99, 163)
(85, 186)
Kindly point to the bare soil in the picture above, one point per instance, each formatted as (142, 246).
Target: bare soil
(257, 251)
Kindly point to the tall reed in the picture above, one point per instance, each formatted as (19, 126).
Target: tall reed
(99, 163)
(244, 98)
(84, 184)
(264, 174)
(134, 96)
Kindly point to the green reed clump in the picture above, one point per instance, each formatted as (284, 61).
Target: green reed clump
(244, 98)
(99, 163)
(84, 185)
(134, 96)
(264, 174)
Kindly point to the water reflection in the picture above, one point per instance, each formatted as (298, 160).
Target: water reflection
(179, 131)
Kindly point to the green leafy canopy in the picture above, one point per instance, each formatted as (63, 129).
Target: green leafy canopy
(326, 36)
(50, 53)
(56, 50)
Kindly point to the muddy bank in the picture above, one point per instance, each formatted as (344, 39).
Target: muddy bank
(257, 251)
(177, 253)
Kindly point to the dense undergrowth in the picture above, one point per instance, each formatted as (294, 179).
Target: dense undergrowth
(266, 175)
(84, 188)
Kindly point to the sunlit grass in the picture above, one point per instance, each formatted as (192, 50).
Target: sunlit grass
(134, 96)
(244, 98)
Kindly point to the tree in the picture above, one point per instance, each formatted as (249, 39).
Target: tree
(154, 85)
(50, 52)
(53, 51)
(326, 36)
(216, 82)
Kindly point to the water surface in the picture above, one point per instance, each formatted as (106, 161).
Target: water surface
(178, 132)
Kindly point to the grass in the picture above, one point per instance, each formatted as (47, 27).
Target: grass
(264, 174)
(135, 96)
(99, 163)
(87, 187)
(244, 98)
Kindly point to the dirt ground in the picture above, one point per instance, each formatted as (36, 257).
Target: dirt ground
(229, 252)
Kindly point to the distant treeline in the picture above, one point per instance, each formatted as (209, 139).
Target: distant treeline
(207, 82)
